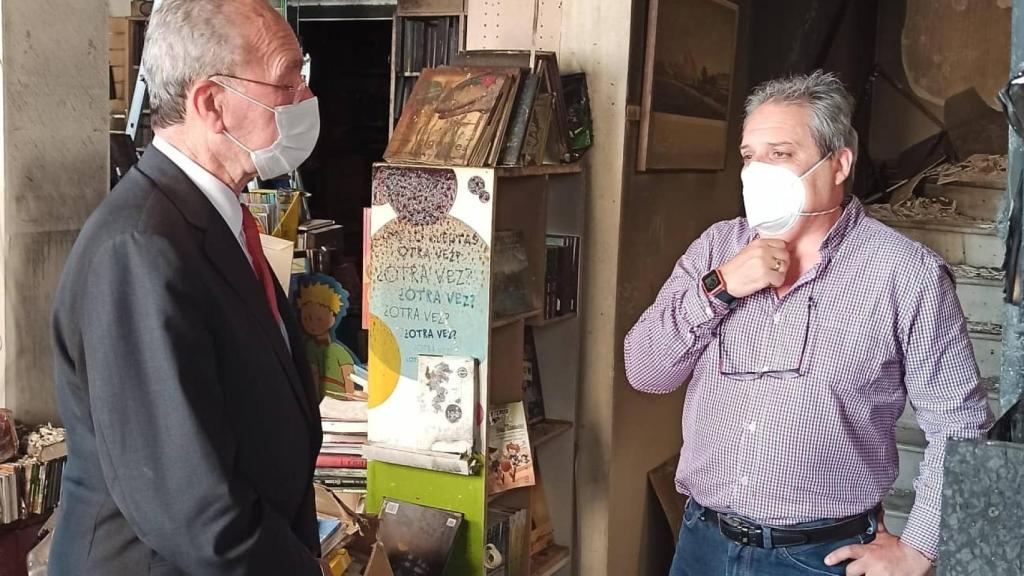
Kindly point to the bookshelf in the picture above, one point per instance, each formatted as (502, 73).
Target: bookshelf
(535, 201)
(424, 35)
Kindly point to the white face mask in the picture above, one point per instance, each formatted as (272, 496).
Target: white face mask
(298, 128)
(775, 197)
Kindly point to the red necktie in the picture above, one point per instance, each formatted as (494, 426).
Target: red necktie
(259, 262)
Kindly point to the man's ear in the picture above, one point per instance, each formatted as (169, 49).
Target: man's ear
(206, 100)
(845, 158)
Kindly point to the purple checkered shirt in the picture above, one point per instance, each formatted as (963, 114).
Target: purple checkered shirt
(792, 405)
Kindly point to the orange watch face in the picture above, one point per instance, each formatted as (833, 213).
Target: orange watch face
(711, 282)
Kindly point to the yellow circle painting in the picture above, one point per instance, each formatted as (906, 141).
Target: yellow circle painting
(385, 362)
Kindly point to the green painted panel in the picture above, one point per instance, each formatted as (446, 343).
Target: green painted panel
(464, 494)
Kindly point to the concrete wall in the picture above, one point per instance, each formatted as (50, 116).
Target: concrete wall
(54, 152)
(637, 226)
(662, 213)
(595, 38)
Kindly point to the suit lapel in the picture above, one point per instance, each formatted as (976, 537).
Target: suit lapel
(224, 251)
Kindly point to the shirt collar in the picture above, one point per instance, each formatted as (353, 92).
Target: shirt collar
(853, 213)
(223, 199)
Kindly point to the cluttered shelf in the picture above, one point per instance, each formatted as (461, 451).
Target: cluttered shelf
(549, 560)
(547, 430)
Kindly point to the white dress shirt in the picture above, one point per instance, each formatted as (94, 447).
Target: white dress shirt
(224, 200)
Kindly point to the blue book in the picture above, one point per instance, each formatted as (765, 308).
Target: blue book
(330, 529)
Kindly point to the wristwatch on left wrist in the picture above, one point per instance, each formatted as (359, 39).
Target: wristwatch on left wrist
(713, 284)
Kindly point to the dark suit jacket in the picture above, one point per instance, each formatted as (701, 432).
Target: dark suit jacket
(192, 431)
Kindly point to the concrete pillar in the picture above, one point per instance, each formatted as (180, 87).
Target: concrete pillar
(53, 173)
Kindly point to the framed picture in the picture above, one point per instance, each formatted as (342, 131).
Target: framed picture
(688, 73)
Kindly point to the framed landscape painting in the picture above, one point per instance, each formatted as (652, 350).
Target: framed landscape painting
(688, 77)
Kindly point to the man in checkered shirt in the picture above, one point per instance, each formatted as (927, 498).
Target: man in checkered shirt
(802, 336)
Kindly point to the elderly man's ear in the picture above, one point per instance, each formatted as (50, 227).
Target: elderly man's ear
(206, 101)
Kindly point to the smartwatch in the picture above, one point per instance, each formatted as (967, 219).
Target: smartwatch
(714, 286)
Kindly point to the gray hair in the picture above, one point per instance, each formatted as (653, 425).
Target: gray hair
(825, 97)
(187, 41)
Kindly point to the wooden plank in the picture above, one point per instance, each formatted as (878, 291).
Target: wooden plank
(542, 170)
(506, 320)
(541, 321)
(546, 430)
(505, 369)
(496, 25)
(430, 8)
(550, 560)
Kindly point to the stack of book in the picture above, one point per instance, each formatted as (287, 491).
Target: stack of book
(507, 540)
(494, 109)
(277, 212)
(31, 486)
(561, 276)
(341, 465)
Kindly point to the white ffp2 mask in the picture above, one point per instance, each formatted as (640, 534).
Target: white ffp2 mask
(774, 197)
(298, 128)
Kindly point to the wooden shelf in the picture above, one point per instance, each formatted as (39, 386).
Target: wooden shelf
(542, 170)
(499, 495)
(546, 430)
(506, 320)
(540, 322)
(549, 560)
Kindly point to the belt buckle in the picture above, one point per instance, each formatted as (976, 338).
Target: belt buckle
(740, 531)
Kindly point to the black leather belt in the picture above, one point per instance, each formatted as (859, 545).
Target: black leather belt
(747, 533)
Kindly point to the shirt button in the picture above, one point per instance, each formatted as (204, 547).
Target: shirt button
(776, 318)
(765, 369)
(752, 426)
(744, 481)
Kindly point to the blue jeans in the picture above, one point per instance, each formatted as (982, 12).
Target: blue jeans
(703, 551)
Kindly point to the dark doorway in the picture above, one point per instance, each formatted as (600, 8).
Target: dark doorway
(350, 76)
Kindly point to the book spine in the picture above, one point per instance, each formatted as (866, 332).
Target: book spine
(333, 482)
(336, 461)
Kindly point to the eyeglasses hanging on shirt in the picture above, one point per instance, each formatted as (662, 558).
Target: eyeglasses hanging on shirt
(781, 352)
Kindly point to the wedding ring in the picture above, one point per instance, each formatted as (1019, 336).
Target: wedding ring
(778, 265)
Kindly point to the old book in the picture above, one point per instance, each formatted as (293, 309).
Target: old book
(522, 109)
(533, 399)
(339, 461)
(346, 410)
(509, 457)
(566, 252)
(537, 132)
(447, 114)
(463, 464)
(496, 143)
(542, 533)
(509, 272)
(577, 101)
(418, 539)
(342, 427)
(330, 534)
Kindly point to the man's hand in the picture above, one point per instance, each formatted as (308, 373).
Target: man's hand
(885, 556)
(763, 263)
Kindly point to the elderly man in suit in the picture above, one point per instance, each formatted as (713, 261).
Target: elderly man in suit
(192, 419)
